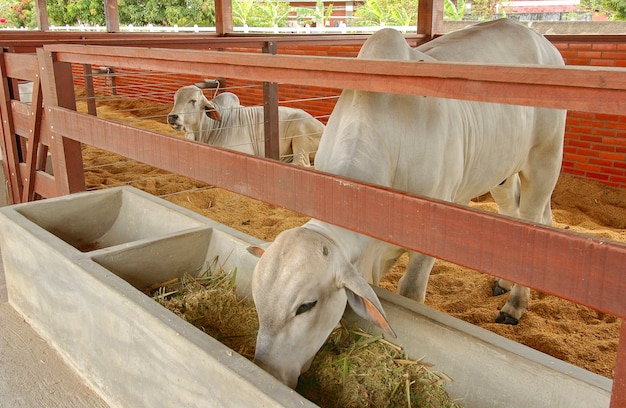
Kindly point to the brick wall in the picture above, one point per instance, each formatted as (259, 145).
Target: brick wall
(595, 144)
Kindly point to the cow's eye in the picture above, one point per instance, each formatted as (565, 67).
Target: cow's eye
(305, 307)
(193, 102)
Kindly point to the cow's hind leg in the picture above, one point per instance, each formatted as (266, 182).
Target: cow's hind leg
(301, 137)
(507, 196)
(413, 283)
(536, 183)
(300, 155)
(517, 303)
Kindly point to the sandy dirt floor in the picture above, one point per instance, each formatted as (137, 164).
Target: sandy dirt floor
(570, 332)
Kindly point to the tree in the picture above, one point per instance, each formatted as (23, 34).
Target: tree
(316, 15)
(484, 9)
(453, 10)
(243, 11)
(618, 6)
(403, 17)
(73, 12)
(609, 7)
(387, 12)
(19, 14)
(271, 13)
(184, 13)
(370, 14)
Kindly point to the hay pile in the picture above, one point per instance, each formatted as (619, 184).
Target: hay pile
(353, 368)
(209, 303)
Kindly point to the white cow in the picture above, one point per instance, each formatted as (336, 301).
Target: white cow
(443, 148)
(223, 122)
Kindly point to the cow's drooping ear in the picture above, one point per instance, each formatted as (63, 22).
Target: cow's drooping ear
(210, 109)
(256, 250)
(211, 112)
(259, 250)
(363, 300)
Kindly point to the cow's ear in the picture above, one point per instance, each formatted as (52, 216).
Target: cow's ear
(210, 109)
(364, 301)
(256, 250)
(211, 112)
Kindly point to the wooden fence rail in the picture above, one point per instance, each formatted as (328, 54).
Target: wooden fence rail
(585, 270)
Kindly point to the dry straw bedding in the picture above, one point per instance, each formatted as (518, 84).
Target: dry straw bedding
(573, 333)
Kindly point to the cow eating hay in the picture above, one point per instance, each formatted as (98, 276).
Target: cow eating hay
(223, 122)
(353, 369)
(447, 149)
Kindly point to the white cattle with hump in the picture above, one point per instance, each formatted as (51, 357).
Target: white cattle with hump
(447, 149)
(223, 122)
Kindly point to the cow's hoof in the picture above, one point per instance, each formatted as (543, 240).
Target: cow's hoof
(505, 318)
(497, 290)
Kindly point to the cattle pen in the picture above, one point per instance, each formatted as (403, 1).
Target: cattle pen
(584, 270)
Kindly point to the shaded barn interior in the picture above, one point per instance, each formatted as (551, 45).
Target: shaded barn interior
(72, 74)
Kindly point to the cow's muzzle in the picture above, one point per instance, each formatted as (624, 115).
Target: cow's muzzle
(173, 120)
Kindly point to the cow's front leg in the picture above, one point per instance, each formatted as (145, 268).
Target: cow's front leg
(413, 283)
(515, 306)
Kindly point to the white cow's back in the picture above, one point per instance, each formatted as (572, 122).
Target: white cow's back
(514, 45)
(443, 148)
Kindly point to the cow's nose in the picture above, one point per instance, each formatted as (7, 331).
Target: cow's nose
(171, 119)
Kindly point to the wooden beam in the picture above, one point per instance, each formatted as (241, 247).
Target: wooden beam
(21, 66)
(58, 90)
(112, 16)
(89, 89)
(42, 15)
(618, 394)
(270, 112)
(430, 18)
(31, 40)
(223, 17)
(587, 89)
(10, 157)
(34, 149)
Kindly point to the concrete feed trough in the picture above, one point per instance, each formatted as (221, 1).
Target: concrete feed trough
(139, 240)
(127, 347)
(75, 267)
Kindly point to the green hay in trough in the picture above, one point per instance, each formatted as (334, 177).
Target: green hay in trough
(353, 368)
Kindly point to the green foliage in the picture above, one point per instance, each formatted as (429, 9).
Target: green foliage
(260, 14)
(271, 13)
(19, 14)
(254, 13)
(184, 13)
(403, 17)
(483, 9)
(73, 12)
(614, 9)
(387, 12)
(370, 14)
(619, 6)
(453, 10)
(317, 15)
(243, 12)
